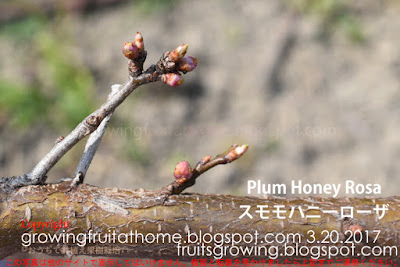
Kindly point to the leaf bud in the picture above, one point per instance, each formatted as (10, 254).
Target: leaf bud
(139, 41)
(178, 53)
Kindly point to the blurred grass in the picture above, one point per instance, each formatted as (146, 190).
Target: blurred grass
(60, 91)
(24, 29)
(334, 15)
(146, 7)
(272, 145)
(73, 82)
(22, 105)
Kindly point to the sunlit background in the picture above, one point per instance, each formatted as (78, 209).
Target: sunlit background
(311, 85)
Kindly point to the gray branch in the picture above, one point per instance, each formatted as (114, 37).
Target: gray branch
(93, 143)
(86, 127)
(90, 150)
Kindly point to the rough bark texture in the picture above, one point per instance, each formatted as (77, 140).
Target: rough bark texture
(100, 210)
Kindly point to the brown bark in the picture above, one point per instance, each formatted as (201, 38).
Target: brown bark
(100, 210)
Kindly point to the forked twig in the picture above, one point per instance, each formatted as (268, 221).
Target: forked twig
(167, 69)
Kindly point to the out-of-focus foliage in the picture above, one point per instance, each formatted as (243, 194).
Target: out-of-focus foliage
(146, 7)
(59, 92)
(73, 83)
(23, 30)
(334, 15)
(23, 105)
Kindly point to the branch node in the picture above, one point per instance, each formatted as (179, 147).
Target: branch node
(59, 139)
(135, 66)
(165, 64)
(93, 121)
(78, 179)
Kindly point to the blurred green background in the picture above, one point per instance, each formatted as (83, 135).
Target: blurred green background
(311, 85)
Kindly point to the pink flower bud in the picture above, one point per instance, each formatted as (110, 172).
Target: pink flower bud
(183, 172)
(139, 41)
(172, 79)
(130, 50)
(178, 53)
(187, 63)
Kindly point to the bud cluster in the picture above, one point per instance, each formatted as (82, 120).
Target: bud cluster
(132, 50)
(172, 63)
(180, 62)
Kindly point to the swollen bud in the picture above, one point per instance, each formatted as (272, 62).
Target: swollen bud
(241, 149)
(130, 50)
(139, 41)
(172, 79)
(236, 152)
(183, 172)
(187, 63)
(178, 53)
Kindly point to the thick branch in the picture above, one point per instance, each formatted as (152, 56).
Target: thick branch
(102, 210)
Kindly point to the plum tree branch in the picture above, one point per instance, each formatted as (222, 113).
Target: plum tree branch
(167, 69)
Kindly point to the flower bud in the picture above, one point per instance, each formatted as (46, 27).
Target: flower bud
(241, 149)
(130, 50)
(236, 153)
(139, 41)
(183, 172)
(172, 79)
(187, 63)
(178, 53)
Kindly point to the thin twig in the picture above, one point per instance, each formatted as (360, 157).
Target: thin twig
(90, 150)
(93, 143)
(181, 183)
